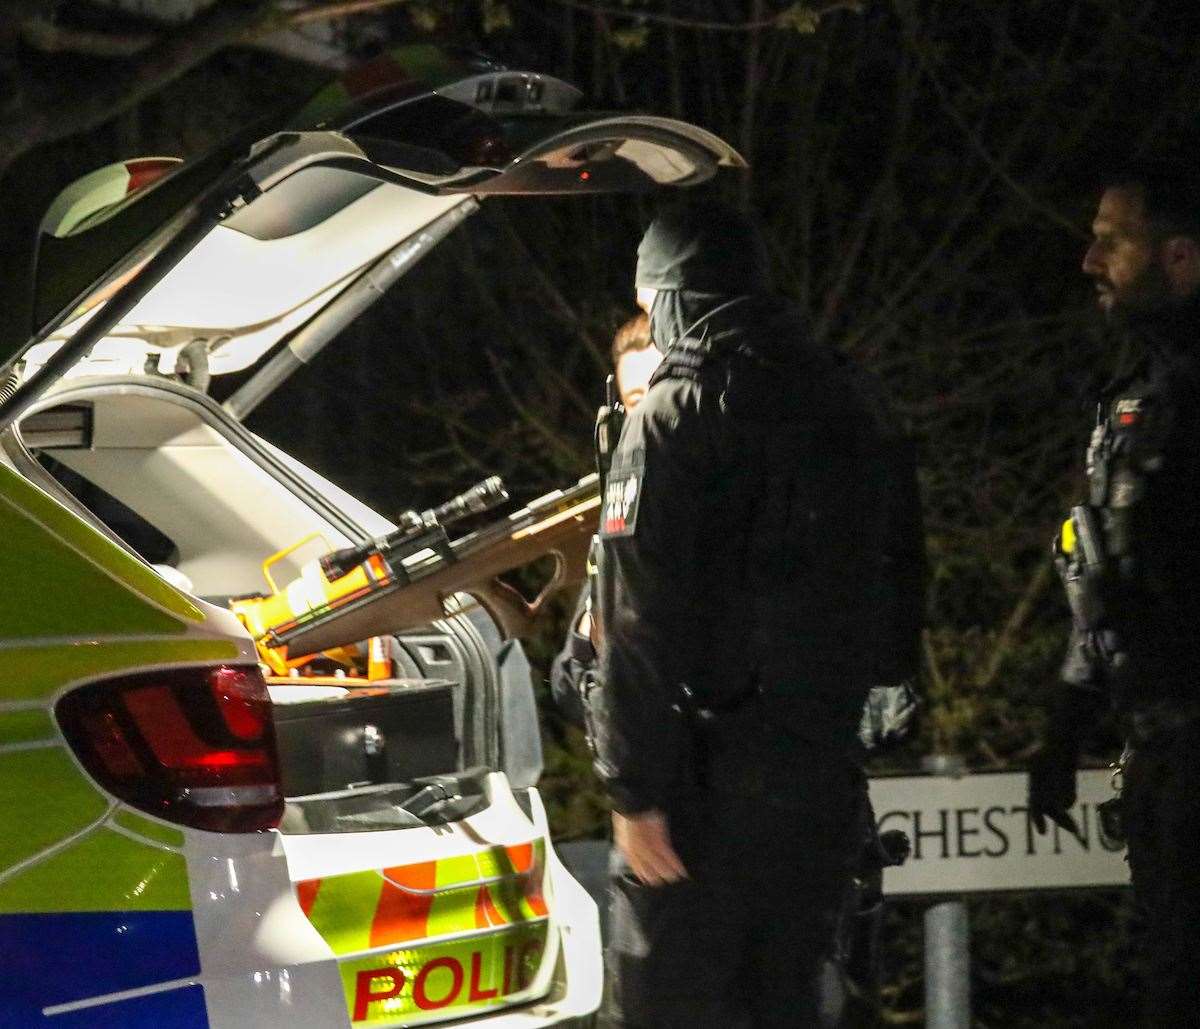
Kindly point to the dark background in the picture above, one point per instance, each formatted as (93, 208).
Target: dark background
(926, 173)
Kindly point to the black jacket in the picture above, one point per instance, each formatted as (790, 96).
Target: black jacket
(761, 538)
(573, 666)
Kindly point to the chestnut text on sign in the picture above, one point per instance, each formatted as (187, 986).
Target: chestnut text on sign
(973, 834)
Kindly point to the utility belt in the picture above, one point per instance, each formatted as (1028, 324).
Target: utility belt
(703, 730)
(708, 725)
(742, 746)
(1144, 727)
(1114, 822)
(1147, 723)
(709, 713)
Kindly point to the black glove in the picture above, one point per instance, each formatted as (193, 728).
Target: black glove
(894, 847)
(1052, 787)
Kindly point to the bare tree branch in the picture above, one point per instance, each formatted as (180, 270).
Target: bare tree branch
(1014, 625)
(52, 38)
(52, 109)
(778, 21)
(751, 75)
(338, 9)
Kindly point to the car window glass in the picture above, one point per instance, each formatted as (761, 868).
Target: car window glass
(135, 532)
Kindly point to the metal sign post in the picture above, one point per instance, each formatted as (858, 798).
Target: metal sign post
(972, 834)
(947, 966)
(947, 939)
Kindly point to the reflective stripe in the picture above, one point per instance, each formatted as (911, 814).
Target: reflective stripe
(403, 914)
(37, 672)
(123, 595)
(57, 854)
(153, 831)
(492, 888)
(453, 910)
(44, 799)
(344, 910)
(58, 960)
(84, 202)
(102, 871)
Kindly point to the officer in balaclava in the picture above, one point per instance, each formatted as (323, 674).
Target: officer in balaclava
(756, 579)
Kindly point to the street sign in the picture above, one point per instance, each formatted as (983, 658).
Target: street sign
(972, 834)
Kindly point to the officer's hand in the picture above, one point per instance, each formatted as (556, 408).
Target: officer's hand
(645, 843)
(1052, 788)
(894, 847)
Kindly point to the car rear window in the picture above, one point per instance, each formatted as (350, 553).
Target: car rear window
(132, 529)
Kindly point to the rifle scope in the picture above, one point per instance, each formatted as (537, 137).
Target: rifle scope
(483, 496)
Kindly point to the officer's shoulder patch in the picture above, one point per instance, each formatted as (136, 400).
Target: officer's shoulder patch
(1129, 411)
(622, 494)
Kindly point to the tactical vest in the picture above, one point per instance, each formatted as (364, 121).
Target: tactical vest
(1119, 458)
(1135, 611)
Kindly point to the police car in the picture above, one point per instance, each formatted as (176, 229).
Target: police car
(169, 854)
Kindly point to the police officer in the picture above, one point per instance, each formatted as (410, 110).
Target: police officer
(743, 584)
(1130, 558)
(634, 358)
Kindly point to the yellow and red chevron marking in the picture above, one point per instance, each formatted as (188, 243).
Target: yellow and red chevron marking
(492, 888)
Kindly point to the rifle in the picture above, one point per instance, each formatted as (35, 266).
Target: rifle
(408, 578)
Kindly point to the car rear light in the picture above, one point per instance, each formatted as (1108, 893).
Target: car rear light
(194, 746)
(145, 171)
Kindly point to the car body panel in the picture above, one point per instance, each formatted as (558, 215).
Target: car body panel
(321, 211)
(47, 667)
(461, 926)
(157, 925)
(109, 915)
(184, 465)
(130, 598)
(209, 295)
(108, 886)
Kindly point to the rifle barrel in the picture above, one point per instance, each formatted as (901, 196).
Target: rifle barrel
(315, 631)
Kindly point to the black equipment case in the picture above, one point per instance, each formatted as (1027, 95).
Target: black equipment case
(392, 731)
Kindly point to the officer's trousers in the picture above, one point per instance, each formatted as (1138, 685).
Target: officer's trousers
(769, 845)
(1162, 808)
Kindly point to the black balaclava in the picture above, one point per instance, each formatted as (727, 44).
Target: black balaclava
(701, 257)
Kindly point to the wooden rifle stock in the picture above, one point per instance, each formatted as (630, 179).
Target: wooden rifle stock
(560, 525)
